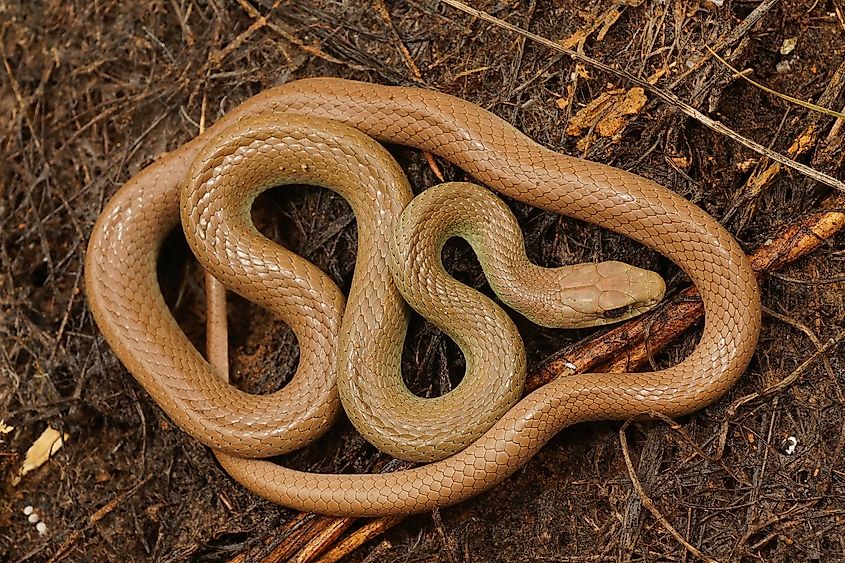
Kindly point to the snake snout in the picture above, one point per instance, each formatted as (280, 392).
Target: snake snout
(628, 291)
(647, 287)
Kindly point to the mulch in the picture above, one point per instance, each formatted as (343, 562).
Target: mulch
(91, 92)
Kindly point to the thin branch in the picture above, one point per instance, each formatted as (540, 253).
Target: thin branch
(667, 97)
(649, 504)
(802, 103)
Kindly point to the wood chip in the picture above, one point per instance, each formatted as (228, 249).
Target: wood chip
(50, 441)
(609, 113)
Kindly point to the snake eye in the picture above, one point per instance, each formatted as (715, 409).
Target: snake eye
(616, 313)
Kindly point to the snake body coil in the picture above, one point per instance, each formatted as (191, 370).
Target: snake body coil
(127, 303)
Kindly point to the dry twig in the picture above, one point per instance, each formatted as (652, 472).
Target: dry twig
(649, 504)
(666, 96)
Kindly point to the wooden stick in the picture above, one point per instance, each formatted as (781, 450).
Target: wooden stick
(613, 351)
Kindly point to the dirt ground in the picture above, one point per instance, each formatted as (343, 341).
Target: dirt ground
(91, 92)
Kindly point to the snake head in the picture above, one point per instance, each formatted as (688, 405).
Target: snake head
(608, 292)
(586, 295)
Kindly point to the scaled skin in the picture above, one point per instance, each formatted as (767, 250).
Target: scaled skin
(127, 304)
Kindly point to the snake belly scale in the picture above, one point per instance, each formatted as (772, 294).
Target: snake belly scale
(127, 304)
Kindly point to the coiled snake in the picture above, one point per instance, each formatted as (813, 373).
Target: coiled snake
(282, 136)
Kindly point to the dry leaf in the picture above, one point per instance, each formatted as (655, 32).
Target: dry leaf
(746, 164)
(609, 112)
(631, 104)
(610, 18)
(759, 180)
(50, 441)
(682, 162)
(803, 143)
(590, 114)
(633, 101)
(5, 428)
(573, 39)
(581, 71)
(657, 75)
(602, 24)
(583, 144)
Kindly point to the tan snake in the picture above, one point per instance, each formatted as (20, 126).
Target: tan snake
(128, 306)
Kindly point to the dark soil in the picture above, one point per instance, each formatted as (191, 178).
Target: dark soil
(91, 92)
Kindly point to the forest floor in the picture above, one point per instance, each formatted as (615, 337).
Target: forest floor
(91, 92)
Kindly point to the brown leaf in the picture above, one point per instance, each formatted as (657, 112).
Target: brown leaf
(50, 441)
(609, 113)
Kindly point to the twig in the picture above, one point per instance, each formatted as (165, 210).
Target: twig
(307, 526)
(648, 503)
(735, 35)
(21, 102)
(329, 533)
(96, 517)
(217, 327)
(262, 21)
(815, 281)
(365, 533)
(435, 168)
(774, 389)
(187, 34)
(794, 100)
(384, 14)
(666, 96)
(806, 330)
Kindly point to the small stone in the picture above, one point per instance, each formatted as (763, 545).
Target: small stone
(789, 445)
(41, 527)
(28, 510)
(788, 45)
(33, 518)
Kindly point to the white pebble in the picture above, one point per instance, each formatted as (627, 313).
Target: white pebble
(791, 442)
(33, 518)
(41, 527)
(28, 510)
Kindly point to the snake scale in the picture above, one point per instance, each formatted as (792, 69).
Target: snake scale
(284, 135)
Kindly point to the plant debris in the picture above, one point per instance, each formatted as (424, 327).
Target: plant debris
(92, 92)
(48, 443)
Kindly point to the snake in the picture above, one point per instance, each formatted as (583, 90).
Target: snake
(349, 350)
